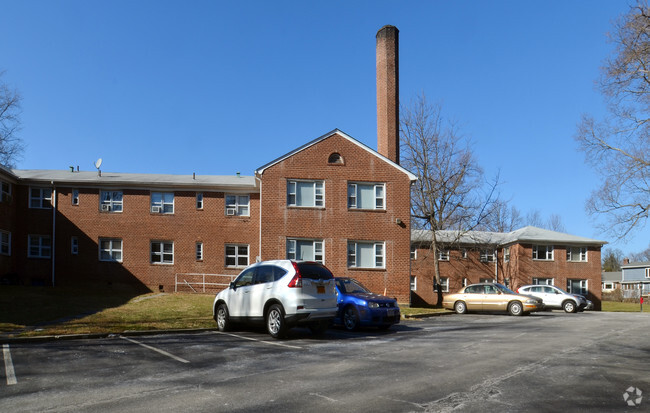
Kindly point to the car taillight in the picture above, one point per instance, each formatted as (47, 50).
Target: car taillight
(296, 281)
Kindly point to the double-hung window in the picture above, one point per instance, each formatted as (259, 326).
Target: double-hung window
(110, 201)
(110, 249)
(366, 195)
(5, 243)
(443, 255)
(444, 285)
(543, 252)
(576, 286)
(310, 194)
(75, 197)
(162, 202)
(305, 249)
(576, 254)
(162, 252)
(647, 273)
(199, 251)
(39, 246)
(5, 191)
(487, 255)
(506, 254)
(237, 255)
(40, 198)
(199, 200)
(74, 245)
(366, 254)
(238, 205)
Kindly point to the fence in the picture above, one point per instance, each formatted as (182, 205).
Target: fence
(201, 283)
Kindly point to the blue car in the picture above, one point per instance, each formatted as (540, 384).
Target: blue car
(359, 307)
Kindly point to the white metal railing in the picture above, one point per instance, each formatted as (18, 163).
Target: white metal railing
(202, 282)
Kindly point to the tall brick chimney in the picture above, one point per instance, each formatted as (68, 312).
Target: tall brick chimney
(388, 92)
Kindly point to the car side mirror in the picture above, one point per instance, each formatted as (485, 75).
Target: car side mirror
(232, 285)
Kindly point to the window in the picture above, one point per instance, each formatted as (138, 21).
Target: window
(506, 254)
(40, 198)
(199, 200)
(5, 191)
(306, 193)
(487, 255)
(444, 284)
(543, 281)
(238, 205)
(74, 245)
(236, 255)
(465, 282)
(576, 254)
(162, 202)
(199, 251)
(443, 255)
(110, 249)
(414, 252)
(305, 249)
(75, 197)
(365, 196)
(414, 283)
(162, 252)
(486, 280)
(463, 253)
(5, 243)
(335, 158)
(543, 252)
(577, 287)
(364, 254)
(110, 201)
(39, 246)
(647, 273)
(608, 286)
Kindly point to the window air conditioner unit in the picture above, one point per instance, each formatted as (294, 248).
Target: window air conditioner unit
(230, 211)
(106, 207)
(156, 209)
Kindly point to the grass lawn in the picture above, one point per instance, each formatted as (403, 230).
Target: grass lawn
(37, 311)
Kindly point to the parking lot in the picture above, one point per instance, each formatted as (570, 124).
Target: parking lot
(548, 361)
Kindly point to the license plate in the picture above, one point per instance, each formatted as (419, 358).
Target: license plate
(320, 289)
(391, 312)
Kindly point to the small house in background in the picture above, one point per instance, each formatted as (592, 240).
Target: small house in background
(635, 279)
(611, 281)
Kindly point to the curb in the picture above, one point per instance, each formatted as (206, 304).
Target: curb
(130, 333)
(418, 316)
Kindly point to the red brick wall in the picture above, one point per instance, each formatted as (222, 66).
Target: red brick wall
(7, 223)
(335, 224)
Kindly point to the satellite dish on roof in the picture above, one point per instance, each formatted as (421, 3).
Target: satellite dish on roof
(98, 163)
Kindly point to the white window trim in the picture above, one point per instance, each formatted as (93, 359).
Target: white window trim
(487, 255)
(354, 196)
(199, 251)
(443, 255)
(159, 206)
(414, 283)
(549, 249)
(235, 209)
(538, 281)
(74, 199)
(506, 254)
(444, 283)
(317, 244)
(5, 244)
(319, 198)
(41, 198)
(110, 202)
(199, 200)
(41, 247)
(584, 286)
(582, 255)
(352, 257)
(237, 255)
(414, 252)
(161, 253)
(111, 249)
(647, 273)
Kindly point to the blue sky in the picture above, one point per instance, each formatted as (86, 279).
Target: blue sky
(217, 88)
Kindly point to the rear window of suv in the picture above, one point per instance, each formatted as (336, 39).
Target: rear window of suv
(314, 271)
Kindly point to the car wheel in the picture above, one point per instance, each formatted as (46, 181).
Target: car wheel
(319, 327)
(460, 307)
(569, 306)
(350, 318)
(222, 318)
(275, 324)
(516, 308)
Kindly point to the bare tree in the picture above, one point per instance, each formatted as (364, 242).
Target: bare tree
(502, 218)
(619, 145)
(643, 256)
(11, 146)
(450, 193)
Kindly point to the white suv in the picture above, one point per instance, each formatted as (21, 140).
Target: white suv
(282, 294)
(554, 297)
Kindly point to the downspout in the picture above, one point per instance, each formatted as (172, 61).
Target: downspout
(53, 243)
(259, 248)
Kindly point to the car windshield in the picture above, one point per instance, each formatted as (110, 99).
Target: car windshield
(504, 289)
(350, 286)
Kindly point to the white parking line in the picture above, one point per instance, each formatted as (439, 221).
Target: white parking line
(275, 343)
(9, 365)
(163, 352)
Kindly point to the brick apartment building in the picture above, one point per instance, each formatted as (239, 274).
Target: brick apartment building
(526, 256)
